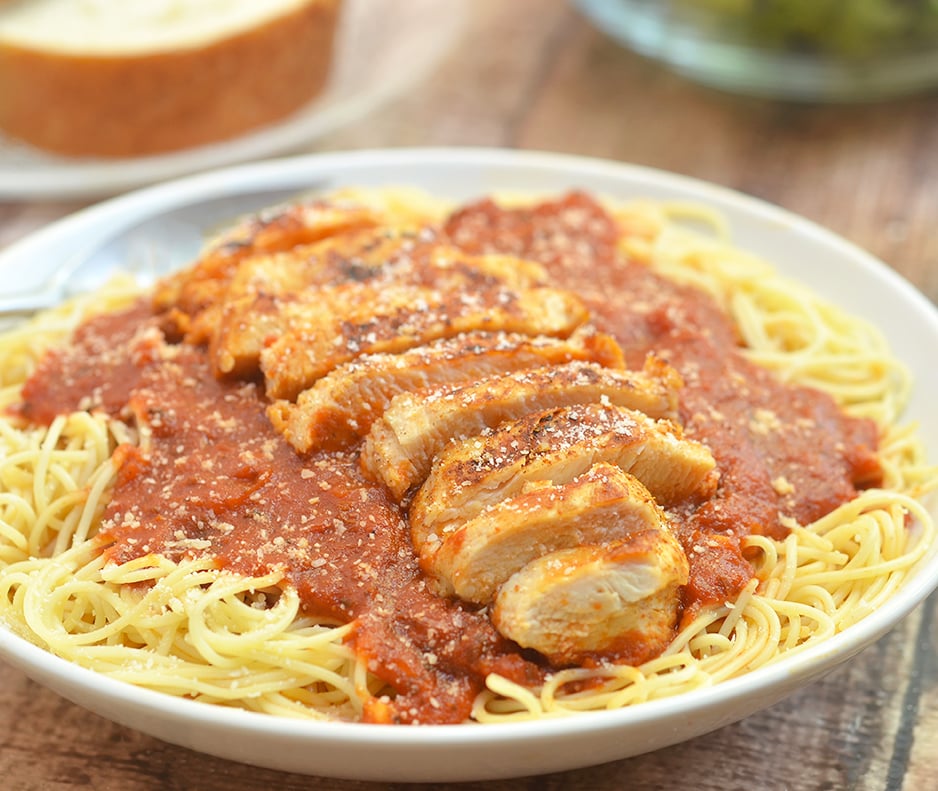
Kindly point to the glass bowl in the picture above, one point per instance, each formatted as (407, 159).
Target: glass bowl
(813, 50)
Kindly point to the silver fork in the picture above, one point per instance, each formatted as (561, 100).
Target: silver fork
(148, 249)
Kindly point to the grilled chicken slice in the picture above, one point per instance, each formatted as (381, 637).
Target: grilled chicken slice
(354, 287)
(337, 325)
(415, 428)
(557, 445)
(402, 317)
(602, 506)
(192, 290)
(340, 408)
(619, 600)
(252, 312)
(354, 255)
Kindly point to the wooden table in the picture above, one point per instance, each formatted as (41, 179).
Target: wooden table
(533, 74)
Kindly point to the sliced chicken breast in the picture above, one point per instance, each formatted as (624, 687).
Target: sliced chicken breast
(190, 291)
(348, 281)
(362, 319)
(602, 506)
(416, 427)
(620, 600)
(353, 255)
(341, 407)
(557, 445)
(262, 288)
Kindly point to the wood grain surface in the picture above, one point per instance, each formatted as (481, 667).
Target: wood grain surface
(534, 74)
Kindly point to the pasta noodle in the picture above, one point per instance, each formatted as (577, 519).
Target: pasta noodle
(193, 629)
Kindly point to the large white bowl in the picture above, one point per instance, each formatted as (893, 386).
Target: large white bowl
(834, 268)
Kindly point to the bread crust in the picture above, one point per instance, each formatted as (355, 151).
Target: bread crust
(125, 106)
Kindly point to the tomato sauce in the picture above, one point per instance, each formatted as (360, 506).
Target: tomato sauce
(214, 478)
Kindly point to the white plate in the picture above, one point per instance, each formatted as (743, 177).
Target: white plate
(381, 51)
(474, 752)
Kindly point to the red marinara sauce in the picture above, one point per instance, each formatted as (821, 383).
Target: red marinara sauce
(217, 480)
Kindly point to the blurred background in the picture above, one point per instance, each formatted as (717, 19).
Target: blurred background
(825, 107)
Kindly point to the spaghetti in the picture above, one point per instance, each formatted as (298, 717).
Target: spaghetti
(185, 623)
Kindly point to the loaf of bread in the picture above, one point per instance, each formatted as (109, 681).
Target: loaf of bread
(119, 78)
